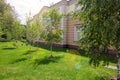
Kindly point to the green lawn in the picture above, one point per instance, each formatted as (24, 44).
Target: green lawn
(25, 64)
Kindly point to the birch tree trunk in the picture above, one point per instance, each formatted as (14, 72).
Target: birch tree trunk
(118, 69)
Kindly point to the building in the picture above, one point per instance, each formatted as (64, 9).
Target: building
(67, 23)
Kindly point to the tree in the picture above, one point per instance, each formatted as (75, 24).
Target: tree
(2, 5)
(2, 9)
(34, 29)
(18, 31)
(10, 27)
(101, 28)
(52, 32)
(7, 19)
(0, 31)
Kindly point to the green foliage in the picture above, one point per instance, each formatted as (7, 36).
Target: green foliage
(9, 36)
(2, 6)
(52, 18)
(34, 29)
(7, 20)
(0, 31)
(18, 31)
(101, 27)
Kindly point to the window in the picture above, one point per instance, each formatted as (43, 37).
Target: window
(77, 32)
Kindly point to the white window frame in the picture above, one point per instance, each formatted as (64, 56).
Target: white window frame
(76, 32)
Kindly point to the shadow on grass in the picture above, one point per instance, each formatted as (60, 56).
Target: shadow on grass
(102, 78)
(108, 57)
(19, 60)
(47, 60)
(29, 52)
(4, 41)
(55, 49)
(9, 48)
(75, 52)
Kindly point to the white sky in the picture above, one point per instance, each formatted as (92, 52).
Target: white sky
(23, 7)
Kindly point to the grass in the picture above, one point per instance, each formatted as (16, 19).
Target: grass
(24, 64)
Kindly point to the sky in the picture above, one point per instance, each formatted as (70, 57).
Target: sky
(24, 7)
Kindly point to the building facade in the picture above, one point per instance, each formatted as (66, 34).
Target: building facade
(68, 24)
